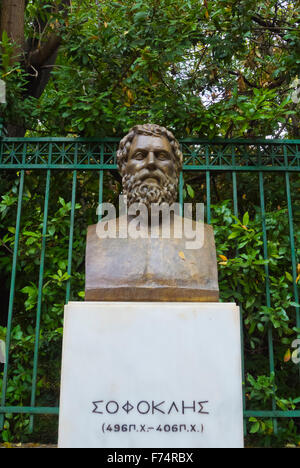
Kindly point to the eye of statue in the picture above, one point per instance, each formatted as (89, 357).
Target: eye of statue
(139, 155)
(162, 156)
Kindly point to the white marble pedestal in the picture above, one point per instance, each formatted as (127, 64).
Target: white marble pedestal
(151, 375)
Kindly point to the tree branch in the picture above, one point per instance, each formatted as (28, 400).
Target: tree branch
(270, 26)
(40, 55)
(239, 74)
(273, 85)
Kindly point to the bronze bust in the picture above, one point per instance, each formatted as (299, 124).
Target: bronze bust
(150, 268)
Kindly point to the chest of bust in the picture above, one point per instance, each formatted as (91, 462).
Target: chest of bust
(150, 269)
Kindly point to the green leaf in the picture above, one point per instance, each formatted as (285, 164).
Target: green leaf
(246, 219)
(289, 276)
(234, 234)
(260, 327)
(51, 230)
(255, 428)
(140, 16)
(190, 191)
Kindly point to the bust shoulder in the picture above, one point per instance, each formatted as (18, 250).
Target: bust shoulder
(151, 269)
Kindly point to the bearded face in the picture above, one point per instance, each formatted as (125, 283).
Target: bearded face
(138, 190)
(150, 175)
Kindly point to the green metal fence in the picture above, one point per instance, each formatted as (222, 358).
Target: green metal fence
(234, 157)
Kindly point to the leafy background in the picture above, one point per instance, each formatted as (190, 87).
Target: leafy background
(204, 69)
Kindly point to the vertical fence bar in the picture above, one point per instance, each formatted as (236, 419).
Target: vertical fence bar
(268, 294)
(292, 237)
(181, 185)
(12, 295)
(236, 213)
(71, 236)
(293, 247)
(235, 198)
(208, 197)
(100, 197)
(101, 178)
(40, 295)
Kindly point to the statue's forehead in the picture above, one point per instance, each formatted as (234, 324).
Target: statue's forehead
(150, 142)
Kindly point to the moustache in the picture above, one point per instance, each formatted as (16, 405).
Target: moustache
(146, 174)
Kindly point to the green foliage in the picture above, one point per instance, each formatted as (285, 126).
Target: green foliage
(27, 292)
(247, 270)
(200, 68)
(242, 278)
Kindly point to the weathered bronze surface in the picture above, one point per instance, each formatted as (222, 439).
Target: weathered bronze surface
(151, 269)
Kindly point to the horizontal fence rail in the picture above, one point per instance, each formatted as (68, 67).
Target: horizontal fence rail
(232, 157)
(91, 154)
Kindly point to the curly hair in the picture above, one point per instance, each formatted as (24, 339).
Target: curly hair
(153, 130)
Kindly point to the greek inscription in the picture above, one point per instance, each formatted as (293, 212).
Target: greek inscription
(201, 403)
(127, 407)
(96, 407)
(145, 407)
(160, 428)
(155, 407)
(171, 407)
(110, 405)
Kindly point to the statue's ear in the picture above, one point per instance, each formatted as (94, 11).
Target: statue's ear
(123, 167)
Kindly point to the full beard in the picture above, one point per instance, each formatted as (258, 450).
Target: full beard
(138, 191)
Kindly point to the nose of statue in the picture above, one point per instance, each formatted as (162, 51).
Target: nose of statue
(150, 161)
